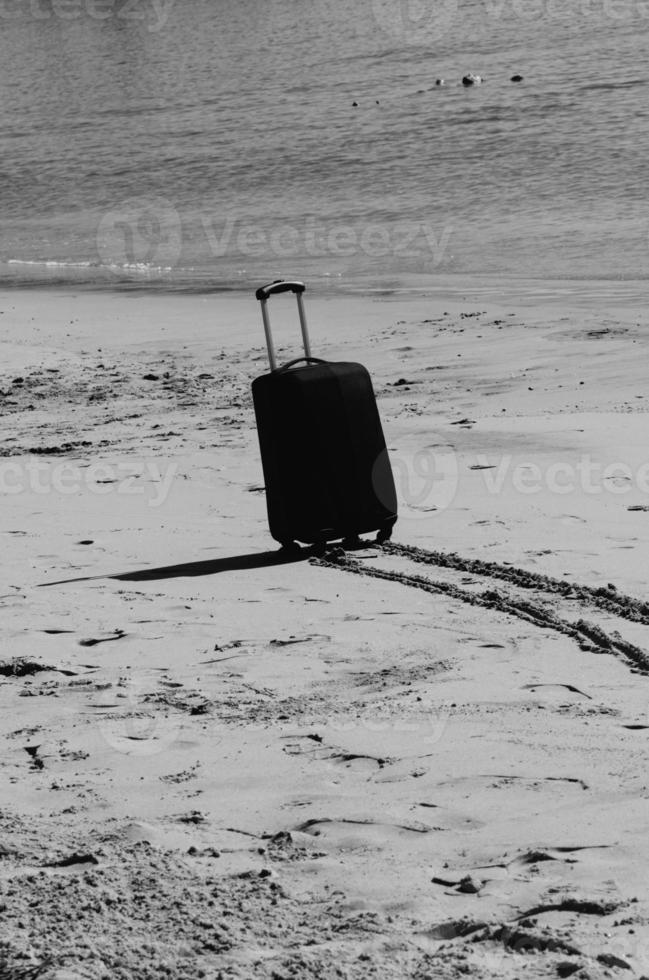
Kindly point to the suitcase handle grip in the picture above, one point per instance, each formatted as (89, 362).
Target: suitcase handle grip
(279, 286)
(282, 286)
(298, 360)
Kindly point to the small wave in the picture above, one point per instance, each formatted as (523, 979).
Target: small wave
(610, 86)
(52, 264)
(478, 118)
(88, 274)
(139, 268)
(16, 273)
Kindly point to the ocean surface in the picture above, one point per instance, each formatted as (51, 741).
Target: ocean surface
(198, 144)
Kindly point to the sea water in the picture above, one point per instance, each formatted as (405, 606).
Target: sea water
(198, 144)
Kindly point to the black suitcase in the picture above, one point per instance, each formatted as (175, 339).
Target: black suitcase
(326, 466)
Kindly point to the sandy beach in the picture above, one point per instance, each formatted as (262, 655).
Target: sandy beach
(427, 760)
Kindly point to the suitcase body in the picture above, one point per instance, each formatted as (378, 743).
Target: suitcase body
(326, 467)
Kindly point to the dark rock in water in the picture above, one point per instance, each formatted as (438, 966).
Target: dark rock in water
(471, 79)
(440, 81)
(516, 78)
(354, 105)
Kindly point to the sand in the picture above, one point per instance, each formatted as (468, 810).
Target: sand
(426, 760)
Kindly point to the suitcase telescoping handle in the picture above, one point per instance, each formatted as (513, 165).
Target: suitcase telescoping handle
(282, 286)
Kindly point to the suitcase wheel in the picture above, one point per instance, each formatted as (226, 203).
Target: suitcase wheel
(351, 542)
(290, 547)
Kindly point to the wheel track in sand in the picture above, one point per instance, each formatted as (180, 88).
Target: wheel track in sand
(587, 634)
(606, 598)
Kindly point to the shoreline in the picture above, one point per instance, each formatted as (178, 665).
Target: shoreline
(404, 285)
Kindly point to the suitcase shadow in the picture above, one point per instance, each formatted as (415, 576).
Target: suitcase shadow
(234, 563)
(212, 566)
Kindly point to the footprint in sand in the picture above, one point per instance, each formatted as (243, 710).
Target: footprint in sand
(358, 762)
(455, 928)
(33, 753)
(451, 819)
(561, 853)
(567, 687)
(290, 640)
(23, 667)
(93, 641)
(366, 829)
(141, 728)
(499, 781)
